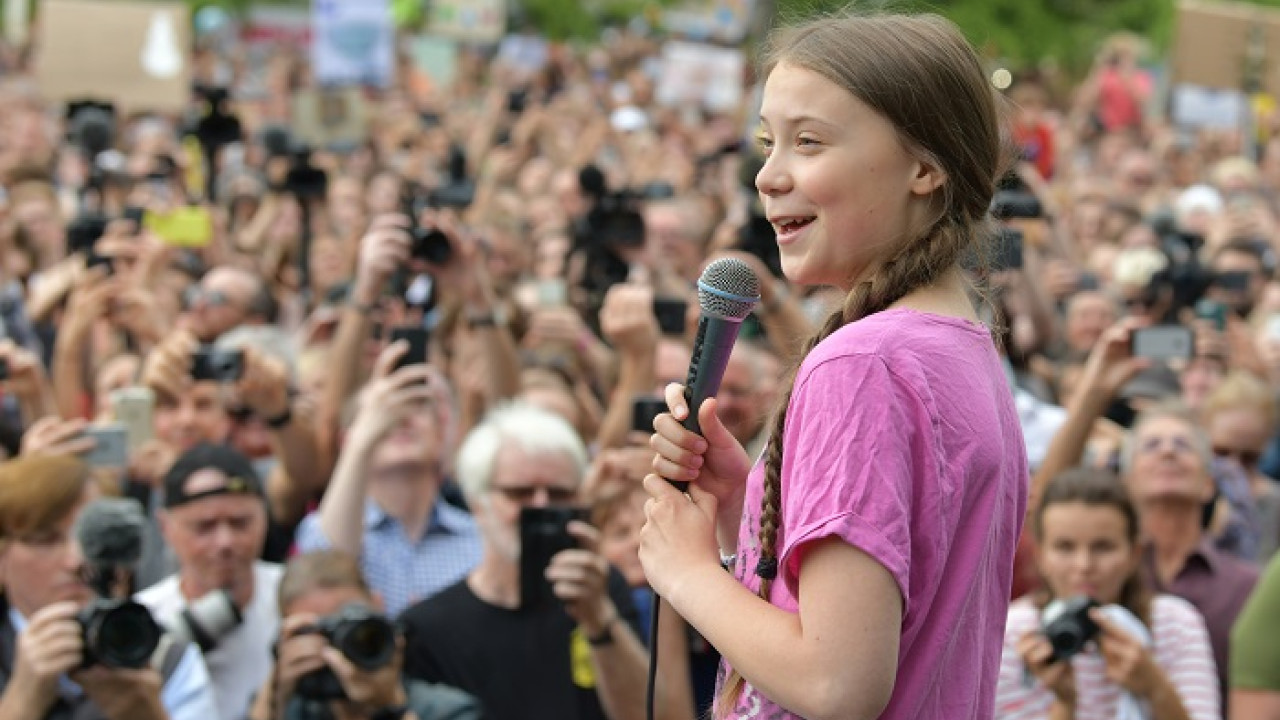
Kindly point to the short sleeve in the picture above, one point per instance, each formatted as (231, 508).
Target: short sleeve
(1190, 670)
(310, 537)
(1255, 654)
(855, 435)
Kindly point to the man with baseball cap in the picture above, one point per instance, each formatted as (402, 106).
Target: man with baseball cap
(215, 520)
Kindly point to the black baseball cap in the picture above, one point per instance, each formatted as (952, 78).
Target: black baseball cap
(241, 478)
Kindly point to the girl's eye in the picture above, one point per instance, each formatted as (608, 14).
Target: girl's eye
(764, 143)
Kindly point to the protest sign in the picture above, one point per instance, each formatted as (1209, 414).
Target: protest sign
(704, 75)
(352, 42)
(483, 21)
(143, 67)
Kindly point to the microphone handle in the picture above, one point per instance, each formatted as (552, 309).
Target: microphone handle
(711, 349)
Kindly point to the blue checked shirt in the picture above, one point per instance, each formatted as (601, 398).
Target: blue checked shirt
(405, 570)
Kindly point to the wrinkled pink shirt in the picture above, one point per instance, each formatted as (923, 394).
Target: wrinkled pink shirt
(902, 439)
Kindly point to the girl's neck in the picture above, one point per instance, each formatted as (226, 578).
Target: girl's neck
(947, 296)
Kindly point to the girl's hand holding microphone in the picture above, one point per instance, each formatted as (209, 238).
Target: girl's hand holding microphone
(680, 532)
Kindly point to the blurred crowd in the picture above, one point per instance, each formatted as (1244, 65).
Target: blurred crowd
(378, 375)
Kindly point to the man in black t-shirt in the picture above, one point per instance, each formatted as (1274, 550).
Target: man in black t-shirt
(568, 652)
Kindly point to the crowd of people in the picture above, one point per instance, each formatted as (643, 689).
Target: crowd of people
(400, 408)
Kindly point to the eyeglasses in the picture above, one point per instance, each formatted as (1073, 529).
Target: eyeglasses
(1179, 443)
(1248, 459)
(196, 295)
(526, 494)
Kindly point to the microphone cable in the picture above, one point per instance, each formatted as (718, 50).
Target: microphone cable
(655, 605)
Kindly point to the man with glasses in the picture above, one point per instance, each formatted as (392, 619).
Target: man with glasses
(1168, 470)
(570, 653)
(225, 298)
(383, 502)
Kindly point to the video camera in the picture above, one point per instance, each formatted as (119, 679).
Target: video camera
(1185, 277)
(367, 638)
(117, 632)
(302, 180)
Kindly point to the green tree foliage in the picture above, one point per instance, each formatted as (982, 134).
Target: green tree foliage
(1024, 32)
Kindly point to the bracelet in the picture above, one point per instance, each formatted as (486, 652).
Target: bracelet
(364, 309)
(605, 637)
(391, 712)
(728, 560)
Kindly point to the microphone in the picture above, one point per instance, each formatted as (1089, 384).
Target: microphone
(110, 534)
(727, 292)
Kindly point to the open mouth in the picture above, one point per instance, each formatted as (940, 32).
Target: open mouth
(790, 226)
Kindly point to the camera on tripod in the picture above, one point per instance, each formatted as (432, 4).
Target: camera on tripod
(366, 637)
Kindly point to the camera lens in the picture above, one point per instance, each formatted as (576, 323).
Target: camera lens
(121, 634)
(369, 643)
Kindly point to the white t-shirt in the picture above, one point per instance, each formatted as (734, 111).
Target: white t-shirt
(242, 660)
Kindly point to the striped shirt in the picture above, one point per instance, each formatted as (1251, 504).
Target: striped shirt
(1181, 650)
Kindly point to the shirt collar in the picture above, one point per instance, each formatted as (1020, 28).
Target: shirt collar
(444, 518)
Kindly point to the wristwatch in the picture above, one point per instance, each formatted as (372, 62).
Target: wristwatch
(491, 318)
(391, 712)
(605, 636)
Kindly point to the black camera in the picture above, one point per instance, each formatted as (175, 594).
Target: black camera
(217, 364)
(118, 633)
(367, 638)
(83, 232)
(429, 244)
(1067, 625)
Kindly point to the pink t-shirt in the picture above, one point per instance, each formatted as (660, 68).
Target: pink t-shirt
(902, 439)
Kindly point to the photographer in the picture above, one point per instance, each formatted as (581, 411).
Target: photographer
(316, 588)
(1167, 467)
(215, 521)
(1129, 652)
(569, 651)
(42, 643)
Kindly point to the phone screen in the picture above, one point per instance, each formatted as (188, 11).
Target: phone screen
(1164, 342)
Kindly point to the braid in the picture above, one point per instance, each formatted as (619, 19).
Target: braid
(917, 265)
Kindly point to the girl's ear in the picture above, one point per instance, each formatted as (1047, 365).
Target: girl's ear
(928, 177)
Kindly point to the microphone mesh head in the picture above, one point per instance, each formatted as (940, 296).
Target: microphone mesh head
(728, 289)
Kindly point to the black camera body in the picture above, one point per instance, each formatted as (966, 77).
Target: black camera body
(366, 637)
(217, 364)
(118, 633)
(428, 244)
(1067, 625)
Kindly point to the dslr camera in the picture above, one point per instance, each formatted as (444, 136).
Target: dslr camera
(118, 633)
(366, 637)
(1067, 624)
(217, 364)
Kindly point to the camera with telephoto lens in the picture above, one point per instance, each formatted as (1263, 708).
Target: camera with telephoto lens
(366, 637)
(1067, 625)
(206, 621)
(118, 633)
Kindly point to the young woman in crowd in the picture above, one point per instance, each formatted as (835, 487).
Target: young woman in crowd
(1151, 657)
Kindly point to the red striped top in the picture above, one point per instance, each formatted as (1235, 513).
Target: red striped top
(1181, 650)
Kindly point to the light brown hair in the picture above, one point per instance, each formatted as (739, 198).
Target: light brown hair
(920, 74)
(36, 493)
(320, 570)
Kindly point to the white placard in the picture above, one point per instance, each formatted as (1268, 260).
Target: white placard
(1201, 107)
(353, 42)
(705, 75)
